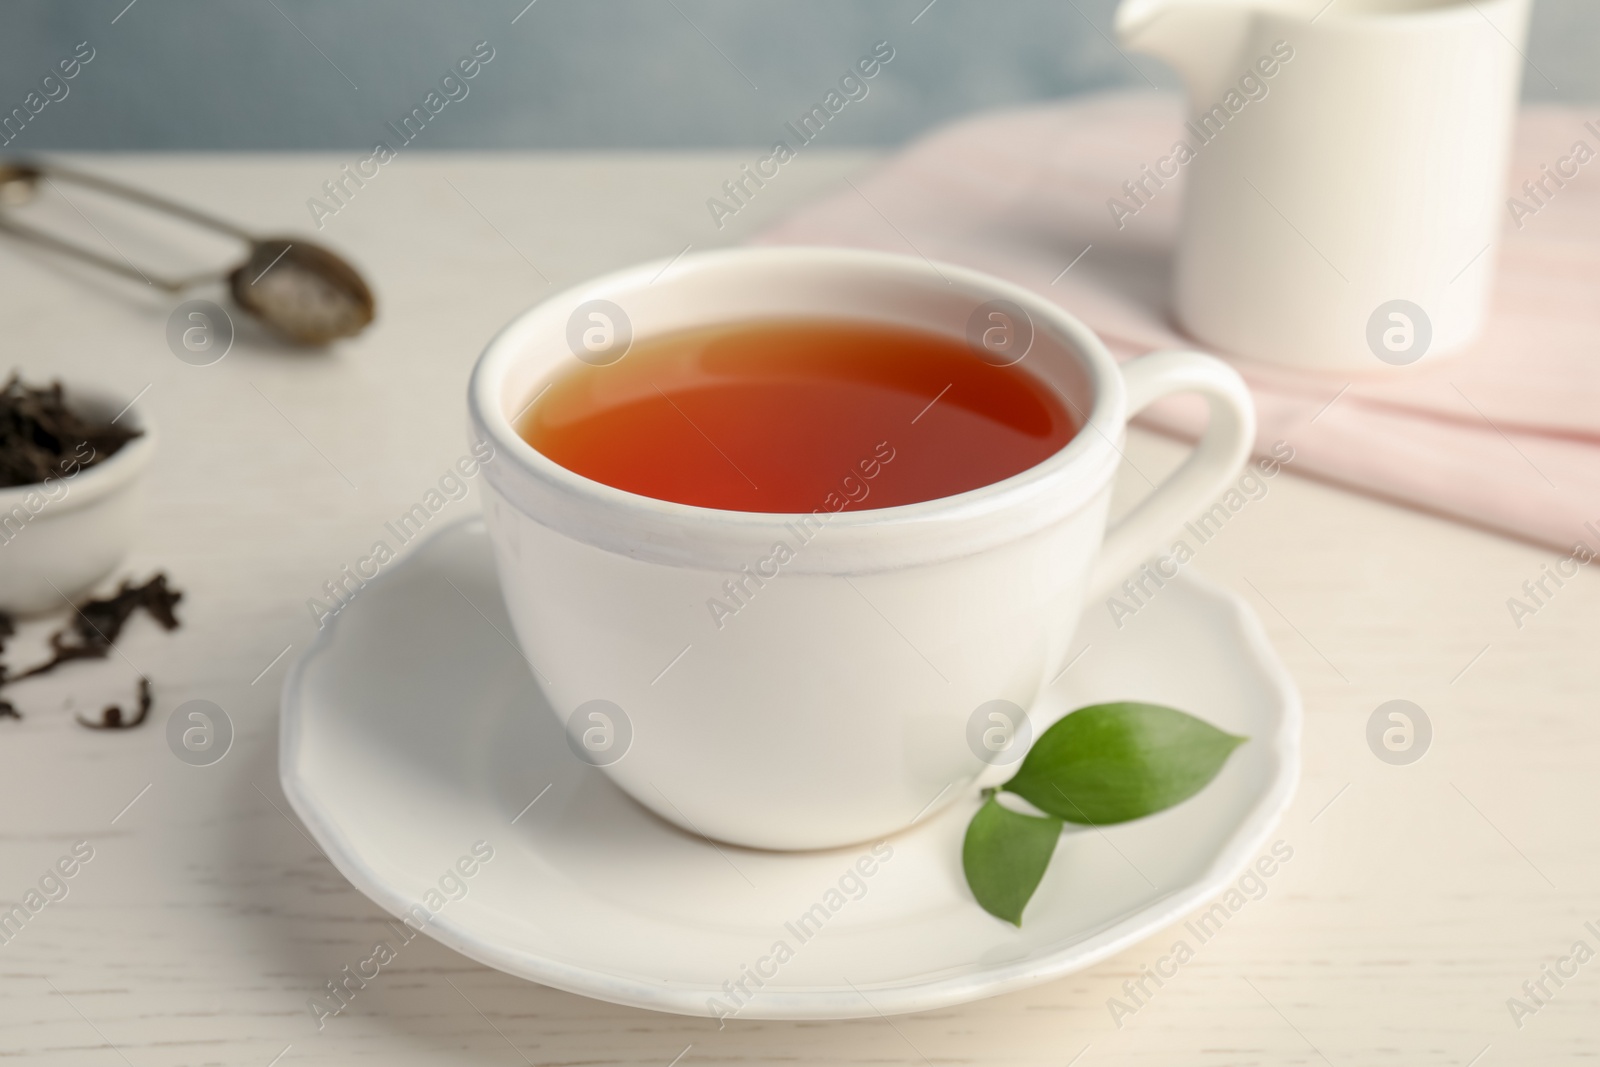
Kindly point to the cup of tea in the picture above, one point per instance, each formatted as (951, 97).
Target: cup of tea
(774, 525)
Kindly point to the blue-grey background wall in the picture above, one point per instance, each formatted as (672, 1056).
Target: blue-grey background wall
(614, 74)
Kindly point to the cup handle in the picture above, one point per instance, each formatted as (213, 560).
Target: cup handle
(1215, 461)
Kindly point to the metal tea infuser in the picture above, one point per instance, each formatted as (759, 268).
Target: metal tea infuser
(298, 289)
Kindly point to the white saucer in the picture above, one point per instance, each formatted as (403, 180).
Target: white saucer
(412, 730)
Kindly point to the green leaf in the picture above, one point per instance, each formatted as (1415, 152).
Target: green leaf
(1109, 763)
(1004, 857)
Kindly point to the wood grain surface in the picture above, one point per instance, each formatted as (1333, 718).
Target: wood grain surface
(1418, 900)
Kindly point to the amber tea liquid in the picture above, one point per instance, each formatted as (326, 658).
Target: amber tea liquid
(796, 415)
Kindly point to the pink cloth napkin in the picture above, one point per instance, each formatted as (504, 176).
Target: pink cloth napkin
(1505, 436)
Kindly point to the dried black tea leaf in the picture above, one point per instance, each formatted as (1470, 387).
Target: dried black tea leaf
(42, 437)
(111, 718)
(91, 633)
(95, 625)
(8, 710)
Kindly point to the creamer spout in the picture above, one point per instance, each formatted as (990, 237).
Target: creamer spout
(1200, 39)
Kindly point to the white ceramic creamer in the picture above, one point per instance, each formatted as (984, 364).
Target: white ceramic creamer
(1346, 172)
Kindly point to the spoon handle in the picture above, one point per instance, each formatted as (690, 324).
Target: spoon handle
(33, 171)
(137, 196)
(78, 252)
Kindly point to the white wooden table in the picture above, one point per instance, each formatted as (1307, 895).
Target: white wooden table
(1418, 900)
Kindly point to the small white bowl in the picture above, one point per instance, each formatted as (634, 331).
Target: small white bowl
(61, 536)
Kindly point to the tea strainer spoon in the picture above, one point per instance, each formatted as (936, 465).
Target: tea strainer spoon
(297, 288)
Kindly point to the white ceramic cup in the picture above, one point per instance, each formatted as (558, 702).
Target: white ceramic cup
(836, 706)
